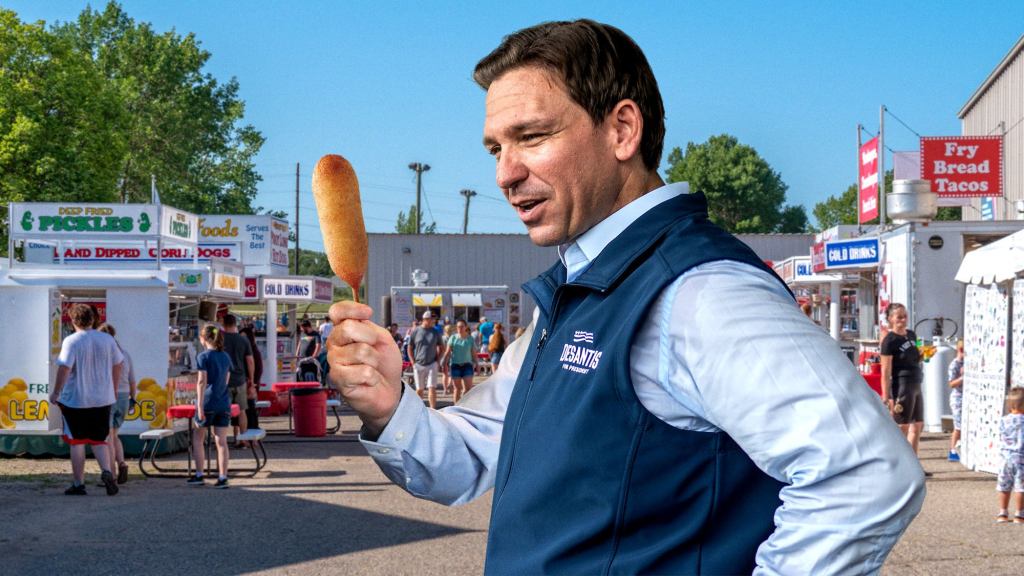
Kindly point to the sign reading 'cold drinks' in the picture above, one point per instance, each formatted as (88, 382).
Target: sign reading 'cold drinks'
(963, 166)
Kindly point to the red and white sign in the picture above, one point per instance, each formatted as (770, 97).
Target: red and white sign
(323, 290)
(250, 291)
(132, 253)
(818, 257)
(867, 204)
(963, 166)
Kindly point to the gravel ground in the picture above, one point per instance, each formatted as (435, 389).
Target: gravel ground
(322, 507)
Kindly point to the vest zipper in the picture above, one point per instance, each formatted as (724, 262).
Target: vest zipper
(519, 421)
(540, 346)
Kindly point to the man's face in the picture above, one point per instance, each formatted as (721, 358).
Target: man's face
(428, 323)
(555, 167)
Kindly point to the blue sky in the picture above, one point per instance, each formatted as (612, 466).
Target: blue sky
(389, 83)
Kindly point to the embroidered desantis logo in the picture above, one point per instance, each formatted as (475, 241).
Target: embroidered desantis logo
(578, 358)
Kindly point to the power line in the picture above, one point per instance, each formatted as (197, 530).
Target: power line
(873, 135)
(889, 112)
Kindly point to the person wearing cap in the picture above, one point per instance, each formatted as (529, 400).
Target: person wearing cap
(486, 328)
(425, 350)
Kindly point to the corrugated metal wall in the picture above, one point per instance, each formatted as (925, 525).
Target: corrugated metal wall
(454, 260)
(1003, 101)
(498, 260)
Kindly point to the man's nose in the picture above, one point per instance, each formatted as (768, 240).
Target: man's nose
(510, 170)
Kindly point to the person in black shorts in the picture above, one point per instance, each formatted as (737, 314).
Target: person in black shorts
(902, 375)
(308, 350)
(89, 364)
(243, 368)
(213, 404)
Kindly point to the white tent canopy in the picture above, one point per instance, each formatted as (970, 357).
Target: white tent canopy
(996, 262)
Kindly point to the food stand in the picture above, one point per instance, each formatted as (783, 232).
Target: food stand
(83, 243)
(279, 355)
(993, 345)
(469, 303)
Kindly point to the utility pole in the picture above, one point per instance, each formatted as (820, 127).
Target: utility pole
(465, 215)
(296, 218)
(419, 169)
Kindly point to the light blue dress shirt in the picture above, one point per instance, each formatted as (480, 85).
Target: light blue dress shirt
(724, 348)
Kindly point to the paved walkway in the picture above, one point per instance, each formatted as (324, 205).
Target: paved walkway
(322, 507)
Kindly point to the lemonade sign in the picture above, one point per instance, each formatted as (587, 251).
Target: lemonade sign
(24, 406)
(150, 410)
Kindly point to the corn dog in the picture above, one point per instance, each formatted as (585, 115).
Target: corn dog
(336, 192)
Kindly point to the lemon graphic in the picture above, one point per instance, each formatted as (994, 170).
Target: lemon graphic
(16, 384)
(5, 422)
(147, 384)
(159, 421)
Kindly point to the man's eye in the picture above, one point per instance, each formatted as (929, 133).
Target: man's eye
(533, 137)
(494, 151)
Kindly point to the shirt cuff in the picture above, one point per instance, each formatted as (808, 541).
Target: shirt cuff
(387, 449)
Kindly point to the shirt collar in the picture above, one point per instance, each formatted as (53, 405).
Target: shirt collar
(576, 256)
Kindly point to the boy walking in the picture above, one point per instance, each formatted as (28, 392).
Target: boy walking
(89, 368)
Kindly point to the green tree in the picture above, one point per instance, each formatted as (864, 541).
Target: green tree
(744, 193)
(407, 224)
(60, 121)
(312, 263)
(183, 126)
(836, 210)
(793, 220)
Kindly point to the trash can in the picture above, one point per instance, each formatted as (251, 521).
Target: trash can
(309, 412)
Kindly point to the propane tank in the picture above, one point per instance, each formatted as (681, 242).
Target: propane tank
(935, 388)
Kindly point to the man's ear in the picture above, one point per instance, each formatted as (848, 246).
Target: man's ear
(627, 128)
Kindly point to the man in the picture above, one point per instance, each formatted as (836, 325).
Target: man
(308, 349)
(486, 328)
(89, 367)
(393, 330)
(425, 349)
(325, 329)
(669, 409)
(243, 367)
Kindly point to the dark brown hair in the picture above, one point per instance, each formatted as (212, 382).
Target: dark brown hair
(214, 335)
(107, 329)
(82, 316)
(230, 320)
(892, 308)
(598, 64)
(497, 339)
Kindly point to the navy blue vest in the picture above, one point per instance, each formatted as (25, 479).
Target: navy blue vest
(588, 480)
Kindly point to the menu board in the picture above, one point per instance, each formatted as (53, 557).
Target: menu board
(986, 331)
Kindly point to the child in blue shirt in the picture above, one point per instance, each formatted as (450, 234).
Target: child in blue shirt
(1011, 435)
(213, 404)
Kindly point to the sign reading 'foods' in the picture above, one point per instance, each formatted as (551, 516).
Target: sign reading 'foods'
(963, 166)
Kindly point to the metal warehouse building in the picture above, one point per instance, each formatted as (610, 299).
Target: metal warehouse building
(997, 107)
(496, 260)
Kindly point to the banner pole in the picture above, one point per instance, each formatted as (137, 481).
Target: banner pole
(860, 219)
(881, 167)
